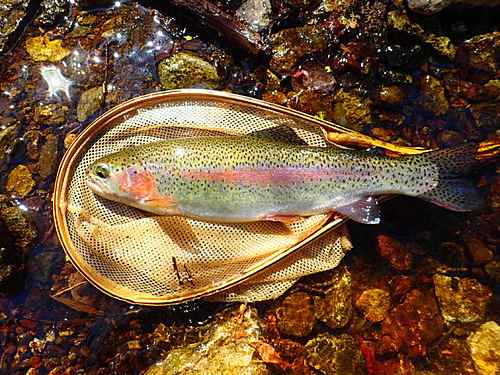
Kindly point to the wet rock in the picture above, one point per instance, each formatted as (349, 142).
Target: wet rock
(48, 156)
(399, 365)
(434, 95)
(32, 139)
(493, 270)
(391, 94)
(12, 14)
(43, 48)
(461, 300)
(484, 51)
(7, 138)
(449, 138)
(484, 347)
(296, 315)
(20, 182)
(398, 255)
(486, 115)
(434, 6)
(336, 6)
(91, 101)
(374, 303)
(50, 114)
(42, 266)
(290, 46)
(480, 252)
(443, 45)
(225, 349)
(335, 355)
(51, 12)
(411, 326)
(352, 110)
(18, 235)
(313, 103)
(185, 70)
(400, 285)
(335, 308)
(256, 14)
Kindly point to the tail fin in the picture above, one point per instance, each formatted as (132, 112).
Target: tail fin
(453, 190)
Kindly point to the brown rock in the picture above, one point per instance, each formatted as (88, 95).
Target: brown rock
(399, 257)
(20, 181)
(374, 303)
(411, 326)
(296, 315)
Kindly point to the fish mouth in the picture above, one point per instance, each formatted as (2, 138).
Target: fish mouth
(96, 185)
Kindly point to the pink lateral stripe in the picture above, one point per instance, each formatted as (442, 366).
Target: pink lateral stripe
(264, 176)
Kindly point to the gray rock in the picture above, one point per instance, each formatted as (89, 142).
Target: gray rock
(434, 6)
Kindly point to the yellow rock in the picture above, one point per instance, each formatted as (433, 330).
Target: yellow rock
(41, 48)
(20, 181)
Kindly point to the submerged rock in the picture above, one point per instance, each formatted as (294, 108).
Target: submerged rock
(397, 253)
(290, 46)
(484, 347)
(374, 303)
(296, 315)
(335, 309)
(12, 14)
(48, 156)
(18, 235)
(335, 355)
(434, 6)
(51, 11)
(411, 326)
(227, 348)
(484, 51)
(352, 110)
(434, 99)
(20, 182)
(43, 48)
(461, 300)
(186, 70)
(255, 13)
(442, 44)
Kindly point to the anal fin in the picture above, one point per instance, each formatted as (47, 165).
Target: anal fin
(365, 210)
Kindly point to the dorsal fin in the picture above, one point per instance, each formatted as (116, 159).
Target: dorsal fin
(283, 134)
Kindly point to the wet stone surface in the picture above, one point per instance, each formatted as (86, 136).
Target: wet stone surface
(411, 326)
(461, 300)
(336, 307)
(336, 355)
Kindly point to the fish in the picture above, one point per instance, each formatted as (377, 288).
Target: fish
(252, 178)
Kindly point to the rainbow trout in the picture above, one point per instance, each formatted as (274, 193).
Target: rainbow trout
(248, 178)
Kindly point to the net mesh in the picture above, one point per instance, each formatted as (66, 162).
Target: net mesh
(143, 258)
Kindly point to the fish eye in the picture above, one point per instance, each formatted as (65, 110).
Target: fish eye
(102, 171)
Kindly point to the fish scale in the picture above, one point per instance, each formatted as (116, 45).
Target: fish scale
(235, 179)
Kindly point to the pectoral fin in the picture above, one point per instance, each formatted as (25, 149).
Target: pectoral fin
(285, 218)
(161, 204)
(364, 210)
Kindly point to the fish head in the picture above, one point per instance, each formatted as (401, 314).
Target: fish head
(120, 179)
